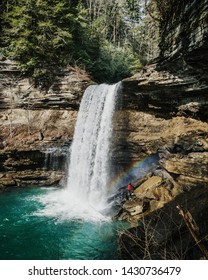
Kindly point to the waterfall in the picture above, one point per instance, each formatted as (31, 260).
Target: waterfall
(85, 195)
(89, 161)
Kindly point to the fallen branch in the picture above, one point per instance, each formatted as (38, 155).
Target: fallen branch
(193, 228)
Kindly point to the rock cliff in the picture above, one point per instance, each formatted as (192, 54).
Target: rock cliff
(162, 110)
(36, 125)
(167, 115)
(183, 45)
(165, 110)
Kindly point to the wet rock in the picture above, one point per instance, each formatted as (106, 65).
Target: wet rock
(30, 177)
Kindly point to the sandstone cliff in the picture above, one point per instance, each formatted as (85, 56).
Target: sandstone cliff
(163, 111)
(183, 45)
(166, 107)
(36, 125)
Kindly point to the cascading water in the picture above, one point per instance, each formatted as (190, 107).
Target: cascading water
(54, 223)
(85, 196)
(89, 161)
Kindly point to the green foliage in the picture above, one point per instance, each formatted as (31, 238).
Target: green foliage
(38, 34)
(112, 23)
(134, 9)
(104, 37)
(115, 63)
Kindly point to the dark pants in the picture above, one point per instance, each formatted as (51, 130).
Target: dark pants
(129, 193)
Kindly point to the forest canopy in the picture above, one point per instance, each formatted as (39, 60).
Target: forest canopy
(111, 39)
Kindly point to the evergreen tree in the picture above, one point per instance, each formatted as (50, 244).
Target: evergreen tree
(39, 34)
(108, 38)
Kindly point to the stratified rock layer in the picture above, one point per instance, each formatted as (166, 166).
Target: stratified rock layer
(36, 125)
(153, 120)
(184, 33)
(166, 107)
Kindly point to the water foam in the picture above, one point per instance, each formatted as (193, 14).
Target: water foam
(85, 196)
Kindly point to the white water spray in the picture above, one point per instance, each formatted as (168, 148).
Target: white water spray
(88, 175)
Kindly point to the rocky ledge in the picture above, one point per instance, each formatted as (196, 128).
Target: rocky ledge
(178, 230)
(164, 114)
(164, 111)
(36, 125)
(158, 117)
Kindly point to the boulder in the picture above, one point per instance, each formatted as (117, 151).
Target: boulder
(146, 189)
(133, 207)
(148, 197)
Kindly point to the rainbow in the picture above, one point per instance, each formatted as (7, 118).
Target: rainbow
(135, 171)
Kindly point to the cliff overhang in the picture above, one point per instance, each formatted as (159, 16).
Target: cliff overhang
(166, 108)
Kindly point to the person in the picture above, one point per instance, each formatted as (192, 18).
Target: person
(130, 189)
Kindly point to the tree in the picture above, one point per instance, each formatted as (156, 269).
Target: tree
(38, 34)
(44, 36)
(112, 22)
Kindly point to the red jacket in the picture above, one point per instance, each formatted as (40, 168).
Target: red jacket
(130, 187)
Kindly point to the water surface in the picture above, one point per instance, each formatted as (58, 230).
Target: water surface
(24, 234)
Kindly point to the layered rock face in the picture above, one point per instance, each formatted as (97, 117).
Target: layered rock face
(166, 107)
(178, 132)
(163, 110)
(167, 115)
(36, 126)
(184, 37)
